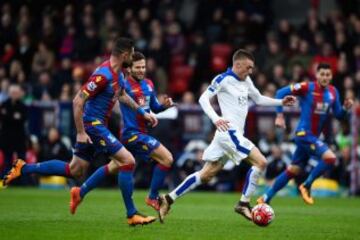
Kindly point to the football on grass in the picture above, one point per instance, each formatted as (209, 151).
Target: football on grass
(262, 214)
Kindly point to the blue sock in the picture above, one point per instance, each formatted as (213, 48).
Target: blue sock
(279, 183)
(320, 168)
(51, 167)
(157, 180)
(126, 184)
(94, 180)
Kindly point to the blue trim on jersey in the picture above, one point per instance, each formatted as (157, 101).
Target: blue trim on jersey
(186, 185)
(247, 181)
(237, 143)
(219, 78)
(229, 72)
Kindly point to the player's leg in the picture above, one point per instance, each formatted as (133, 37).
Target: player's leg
(126, 164)
(326, 162)
(300, 157)
(121, 160)
(51, 167)
(209, 170)
(258, 162)
(164, 160)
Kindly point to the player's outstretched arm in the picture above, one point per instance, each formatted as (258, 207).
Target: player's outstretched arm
(127, 100)
(78, 109)
(339, 111)
(262, 100)
(156, 107)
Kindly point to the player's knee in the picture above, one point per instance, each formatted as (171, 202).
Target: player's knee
(293, 170)
(126, 158)
(262, 164)
(329, 157)
(76, 171)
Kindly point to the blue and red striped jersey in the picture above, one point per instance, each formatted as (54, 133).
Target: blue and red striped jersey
(102, 89)
(316, 103)
(144, 94)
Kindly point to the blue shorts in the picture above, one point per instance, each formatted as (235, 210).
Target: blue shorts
(103, 142)
(307, 145)
(141, 145)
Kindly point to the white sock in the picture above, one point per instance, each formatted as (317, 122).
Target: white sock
(251, 182)
(191, 182)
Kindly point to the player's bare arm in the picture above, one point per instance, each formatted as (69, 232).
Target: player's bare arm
(78, 106)
(280, 120)
(127, 100)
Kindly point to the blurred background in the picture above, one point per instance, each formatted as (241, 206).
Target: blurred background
(50, 48)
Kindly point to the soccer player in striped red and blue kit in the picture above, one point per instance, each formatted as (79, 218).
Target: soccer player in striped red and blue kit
(135, 132)
(316, 100)
(92, 107)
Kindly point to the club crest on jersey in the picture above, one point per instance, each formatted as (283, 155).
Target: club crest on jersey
(98, 79)
(91, 86)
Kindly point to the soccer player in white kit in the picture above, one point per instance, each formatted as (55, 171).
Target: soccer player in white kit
(233, 88)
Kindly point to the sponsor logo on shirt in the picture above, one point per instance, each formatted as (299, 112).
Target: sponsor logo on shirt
(111, 138)
(297, 86)
(91, 86)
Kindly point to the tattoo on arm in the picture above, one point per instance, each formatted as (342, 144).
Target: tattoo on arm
(82, 95)
(127, 100)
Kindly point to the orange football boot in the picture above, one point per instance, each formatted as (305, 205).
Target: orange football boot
(140, 219)
(14, 172)
(260, 200)
(75, 199)
(154, 203)
(305, 194)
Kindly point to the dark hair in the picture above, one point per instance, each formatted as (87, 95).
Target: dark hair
(137, 56)
(243, 54)
(323, 65)
(122, 45)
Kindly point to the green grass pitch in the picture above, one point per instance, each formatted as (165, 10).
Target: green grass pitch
(43, 214)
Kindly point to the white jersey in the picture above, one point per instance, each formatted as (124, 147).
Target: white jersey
(233, 96)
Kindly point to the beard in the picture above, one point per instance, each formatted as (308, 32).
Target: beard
(138, 77)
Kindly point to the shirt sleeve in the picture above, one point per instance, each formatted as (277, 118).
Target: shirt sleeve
(259, 99)
(337, 108)
(297, 89)
(210, 92)
(94, 85)
(155, 106)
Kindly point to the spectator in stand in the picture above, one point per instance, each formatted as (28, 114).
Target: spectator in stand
(13, 116)
(44, 59)
(43, 89)
(53, 147)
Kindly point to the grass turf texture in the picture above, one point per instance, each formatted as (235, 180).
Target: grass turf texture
(43, 214)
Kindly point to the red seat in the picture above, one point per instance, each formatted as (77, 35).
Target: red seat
(180, 77)
(220, 55)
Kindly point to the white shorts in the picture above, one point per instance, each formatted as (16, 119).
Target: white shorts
(230, 145)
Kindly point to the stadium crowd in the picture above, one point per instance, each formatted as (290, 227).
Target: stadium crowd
(50, 49)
